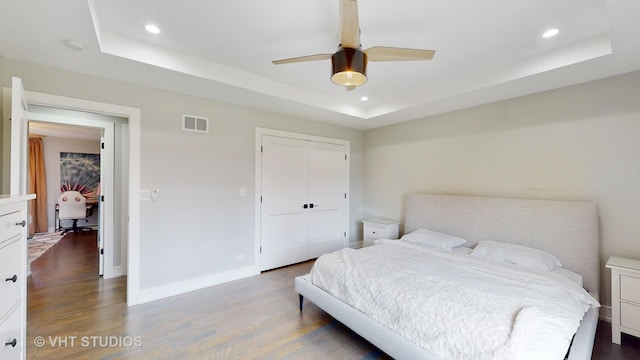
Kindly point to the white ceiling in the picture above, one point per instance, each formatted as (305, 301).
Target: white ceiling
(64, 131)
(485, 50)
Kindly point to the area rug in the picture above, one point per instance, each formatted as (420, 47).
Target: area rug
(40, 243)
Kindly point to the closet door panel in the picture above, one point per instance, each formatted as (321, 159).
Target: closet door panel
(284, 187)
(327, 188)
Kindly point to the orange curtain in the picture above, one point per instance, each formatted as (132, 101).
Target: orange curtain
(37, 185)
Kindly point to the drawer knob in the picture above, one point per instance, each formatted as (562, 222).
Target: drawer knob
(11, 343)
(23, 223)
(14, 278)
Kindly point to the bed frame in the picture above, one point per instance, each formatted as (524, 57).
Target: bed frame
(567, 229)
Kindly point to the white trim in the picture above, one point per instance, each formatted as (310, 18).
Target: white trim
(258, 179)
(293, 135)
(134, 118)
(118, 271)
(181, 287)
(133, 262)
(18, 165)
(257, 200)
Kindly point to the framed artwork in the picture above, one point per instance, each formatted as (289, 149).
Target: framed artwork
(80, 172)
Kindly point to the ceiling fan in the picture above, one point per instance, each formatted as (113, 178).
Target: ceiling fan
(349, 63)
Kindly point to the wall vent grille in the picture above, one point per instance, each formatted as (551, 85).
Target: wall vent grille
(195, 123)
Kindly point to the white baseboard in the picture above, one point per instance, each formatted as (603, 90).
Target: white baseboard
(605, 313)
(117, 272)
(181, 287)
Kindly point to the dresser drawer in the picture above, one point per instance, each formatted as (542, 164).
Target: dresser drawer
(10, 330)
(374, 232)
(8, 227)
(630, 288)
(630, 316)
(10, 265)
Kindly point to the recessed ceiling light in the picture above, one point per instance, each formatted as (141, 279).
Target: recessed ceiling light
(364, 98)
(550, 33)
(152, 28)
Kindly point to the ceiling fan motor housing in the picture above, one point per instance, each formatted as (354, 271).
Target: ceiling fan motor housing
(349, 67)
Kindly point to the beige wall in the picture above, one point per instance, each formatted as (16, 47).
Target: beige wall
(580, 142)
(200, 223)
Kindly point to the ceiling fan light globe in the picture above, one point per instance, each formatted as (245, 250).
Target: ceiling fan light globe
(349, 78)
(349, 67)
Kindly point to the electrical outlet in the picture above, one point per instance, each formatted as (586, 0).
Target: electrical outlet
(240, 257)
(154, 194)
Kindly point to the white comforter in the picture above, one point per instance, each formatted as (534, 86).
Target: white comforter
(455, 305)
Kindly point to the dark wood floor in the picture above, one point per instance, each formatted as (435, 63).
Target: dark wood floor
(76, 314)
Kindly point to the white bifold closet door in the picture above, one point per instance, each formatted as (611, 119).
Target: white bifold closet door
(304, 207)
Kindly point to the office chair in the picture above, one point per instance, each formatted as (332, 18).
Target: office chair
(72, 206)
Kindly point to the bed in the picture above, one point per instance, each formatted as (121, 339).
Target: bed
(569, 230)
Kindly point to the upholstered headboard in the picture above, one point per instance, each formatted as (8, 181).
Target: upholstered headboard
(567, 229)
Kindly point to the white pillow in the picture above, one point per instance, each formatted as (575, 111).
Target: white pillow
(516, 254)
(433, 239)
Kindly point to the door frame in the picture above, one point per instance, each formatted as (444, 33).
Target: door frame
(134, 118)
(258, 180)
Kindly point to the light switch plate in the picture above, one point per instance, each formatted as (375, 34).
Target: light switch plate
(145, 195)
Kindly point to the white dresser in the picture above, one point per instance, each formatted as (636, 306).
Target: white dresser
(625, 297)
(13, 268)
(374, 229)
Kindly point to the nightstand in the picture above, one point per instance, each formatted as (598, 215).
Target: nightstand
(374, 229)
(625, 297)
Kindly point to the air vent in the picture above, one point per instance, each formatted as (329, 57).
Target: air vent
(195, 123)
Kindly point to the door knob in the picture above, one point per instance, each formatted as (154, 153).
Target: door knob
(23, 223)
(14, 278)
(11, 343)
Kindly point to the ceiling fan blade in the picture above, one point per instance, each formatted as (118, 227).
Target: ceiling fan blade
(303, 59)
(349, 24)
(383, 53)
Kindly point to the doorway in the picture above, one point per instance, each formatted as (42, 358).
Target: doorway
(110, 239)
(66, 158)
